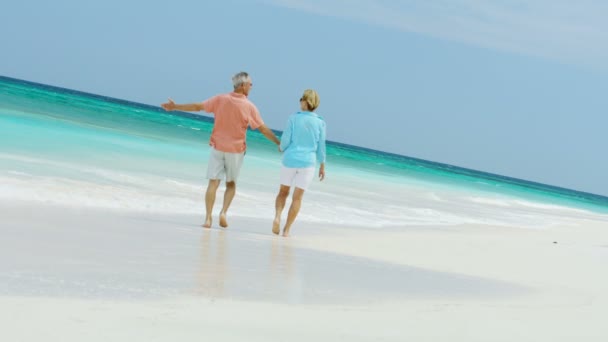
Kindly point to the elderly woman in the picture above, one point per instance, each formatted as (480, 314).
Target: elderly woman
(303, 144)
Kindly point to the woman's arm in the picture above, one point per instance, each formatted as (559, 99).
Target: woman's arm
(321, 153)
(286, 136)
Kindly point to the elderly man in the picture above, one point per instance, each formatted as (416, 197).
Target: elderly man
(233, 114)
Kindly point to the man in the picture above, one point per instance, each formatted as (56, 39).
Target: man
(233, 114)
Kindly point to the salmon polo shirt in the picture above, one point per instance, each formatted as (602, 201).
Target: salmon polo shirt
(233, 113)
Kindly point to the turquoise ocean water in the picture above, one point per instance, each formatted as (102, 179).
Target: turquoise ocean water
(59, 144)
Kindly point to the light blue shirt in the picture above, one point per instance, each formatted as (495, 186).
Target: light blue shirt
(303, 140)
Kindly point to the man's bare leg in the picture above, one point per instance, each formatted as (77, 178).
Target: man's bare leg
(279, 204)
(294, 209)
(228, 196)
(210, 200)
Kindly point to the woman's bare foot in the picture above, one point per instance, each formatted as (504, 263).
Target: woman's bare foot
(223, 222)
(276, 226)
(207, 223)
(285, 232)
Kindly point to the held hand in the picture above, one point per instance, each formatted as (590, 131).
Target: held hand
(321, 173)
(169, 106)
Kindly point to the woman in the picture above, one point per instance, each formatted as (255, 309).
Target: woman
(303, 144)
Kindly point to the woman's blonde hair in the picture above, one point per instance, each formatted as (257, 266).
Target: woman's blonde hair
(311, 98)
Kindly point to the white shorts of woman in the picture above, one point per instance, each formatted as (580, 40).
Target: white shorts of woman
(298, 177)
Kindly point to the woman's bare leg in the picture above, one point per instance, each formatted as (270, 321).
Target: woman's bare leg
(279, 204)
(294, 209)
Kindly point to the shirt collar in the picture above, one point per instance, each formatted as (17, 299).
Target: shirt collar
(237, 95)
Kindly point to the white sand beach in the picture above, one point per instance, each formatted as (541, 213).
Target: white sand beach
(76, 273)
(459, 191)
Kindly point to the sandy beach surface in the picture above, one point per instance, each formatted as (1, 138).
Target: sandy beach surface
(87, 274)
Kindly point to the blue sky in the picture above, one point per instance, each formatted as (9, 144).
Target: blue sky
(516, 88)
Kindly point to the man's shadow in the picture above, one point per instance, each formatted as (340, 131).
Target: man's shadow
(214, 269)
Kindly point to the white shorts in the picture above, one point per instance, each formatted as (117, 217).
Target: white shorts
(224, 164)
(300, 178)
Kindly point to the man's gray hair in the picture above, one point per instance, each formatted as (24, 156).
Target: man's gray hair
(240, 78)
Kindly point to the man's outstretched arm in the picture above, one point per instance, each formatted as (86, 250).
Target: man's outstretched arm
(269, 134)
(190, 107)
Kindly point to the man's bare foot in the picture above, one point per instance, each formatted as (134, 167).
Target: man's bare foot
(276, 226)
(285, 232)
(223, 222)
(207, 223)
